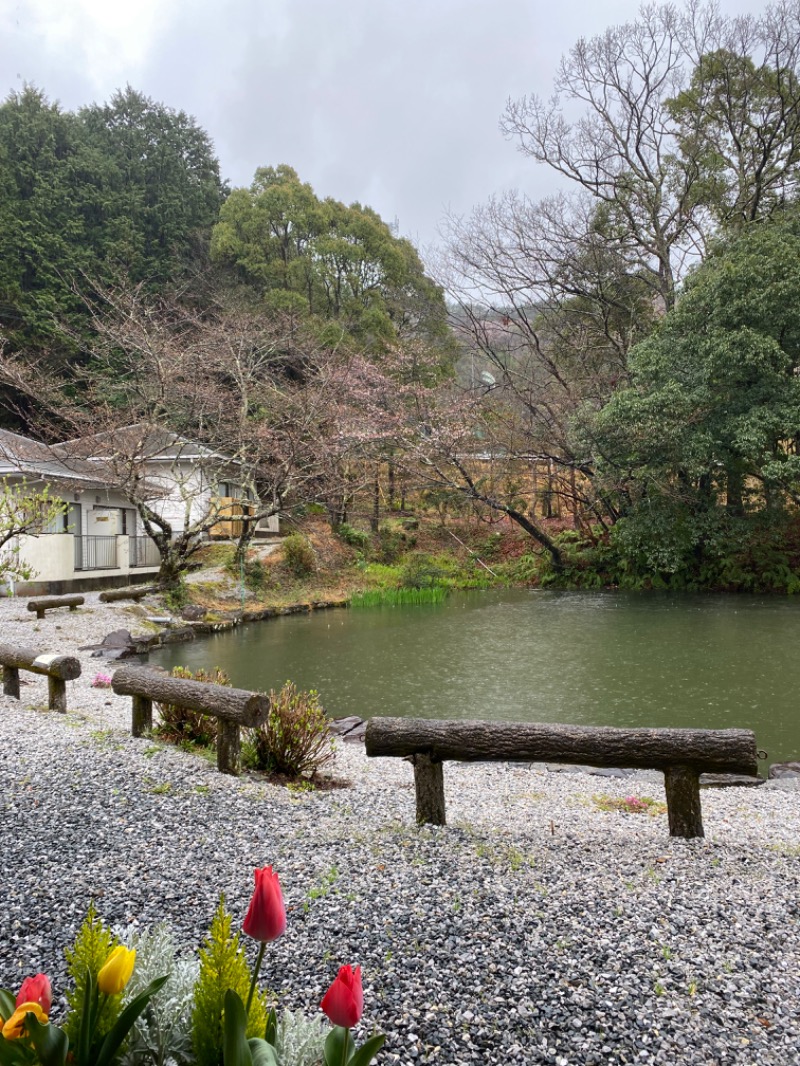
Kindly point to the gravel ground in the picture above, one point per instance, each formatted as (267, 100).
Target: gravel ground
(534, 929)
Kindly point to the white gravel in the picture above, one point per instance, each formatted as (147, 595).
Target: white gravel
(535, 928)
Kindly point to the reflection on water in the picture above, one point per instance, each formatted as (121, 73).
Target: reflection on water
(591, 658)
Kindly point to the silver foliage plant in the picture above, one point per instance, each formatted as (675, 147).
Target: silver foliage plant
(163, 1034)
(299, 1040)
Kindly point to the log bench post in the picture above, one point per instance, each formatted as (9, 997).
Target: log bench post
(232, 707)
(682, 785)
(429, 787)
(40, 604)
(141, 715)
(11, 681)
(680, 754)
(57, 668)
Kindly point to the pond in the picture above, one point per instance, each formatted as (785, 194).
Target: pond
(600, 658)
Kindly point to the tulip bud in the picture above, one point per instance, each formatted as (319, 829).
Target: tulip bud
(266, 916)
(14, 1028)
(36, 990)
(344, 1000)
(116, 971)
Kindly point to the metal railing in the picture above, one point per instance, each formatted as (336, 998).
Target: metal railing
(96, 553)
(143, 552)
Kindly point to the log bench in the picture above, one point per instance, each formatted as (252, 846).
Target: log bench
(129, 592)
(40, 604)
(681, 754)
(58, 669)
(233, 707)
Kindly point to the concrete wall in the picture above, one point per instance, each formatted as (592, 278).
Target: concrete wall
(52, 559)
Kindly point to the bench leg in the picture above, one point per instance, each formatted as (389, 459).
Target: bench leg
(73, 608)
(11, 681)
(39, 613)
(229, 748)
(141, 715)
(682, 785)
(429, 784)
(57, 692)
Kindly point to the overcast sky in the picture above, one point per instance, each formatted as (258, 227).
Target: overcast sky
(394, 103)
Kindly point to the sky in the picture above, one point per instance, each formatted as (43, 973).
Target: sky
(394, 103)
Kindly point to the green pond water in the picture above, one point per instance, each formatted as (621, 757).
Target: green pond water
(588, 658)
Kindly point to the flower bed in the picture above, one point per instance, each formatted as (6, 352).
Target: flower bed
(205, 1013)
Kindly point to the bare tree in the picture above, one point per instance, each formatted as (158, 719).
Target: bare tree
(640, 113)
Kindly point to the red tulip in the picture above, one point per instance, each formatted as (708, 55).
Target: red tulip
(344, 1000)
(266, 916)
(36, 990)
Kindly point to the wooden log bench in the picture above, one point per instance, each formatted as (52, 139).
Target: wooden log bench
(233, 707)
(129, 592)
(40, 604)
(682, 755)
(58, 669)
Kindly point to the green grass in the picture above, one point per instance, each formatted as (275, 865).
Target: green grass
(397, 597)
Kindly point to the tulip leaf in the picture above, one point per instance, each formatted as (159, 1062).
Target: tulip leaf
(263, 1053)
(364, 1055)
(271, 1034)
(235, 1049)
(124, 1024)
(337, 1046)
(8, 1003)
(13, 1053)
(88, 1016)
(51, 1043)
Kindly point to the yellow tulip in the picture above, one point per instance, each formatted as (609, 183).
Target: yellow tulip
(14, 1028)
(116, 971)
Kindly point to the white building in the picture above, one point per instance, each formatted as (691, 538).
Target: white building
(99, 539)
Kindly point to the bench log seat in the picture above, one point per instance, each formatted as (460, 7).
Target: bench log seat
(681, 754)
(40, 604)
(233, 707)
(57, 668)
(129, 592)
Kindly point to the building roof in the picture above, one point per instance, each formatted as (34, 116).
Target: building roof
(140, 441)
(32, 459)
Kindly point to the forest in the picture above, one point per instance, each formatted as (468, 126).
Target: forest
(613, 369)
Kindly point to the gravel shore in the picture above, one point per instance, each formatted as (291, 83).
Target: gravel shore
(535, 928)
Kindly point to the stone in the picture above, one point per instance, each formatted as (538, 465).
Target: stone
(356, 735)
(340, 726)
(193, 613)
(786, 784)
(784, 769)
(730, 780)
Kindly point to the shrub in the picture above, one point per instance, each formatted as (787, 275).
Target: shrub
(299, 555)
(177, 597)
(255, 574)
(393, 540)
(356, 538)
(295, 739)
(181, 725)
(223, 966)
(421, 572)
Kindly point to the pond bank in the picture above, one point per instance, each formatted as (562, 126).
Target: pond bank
(537, 928)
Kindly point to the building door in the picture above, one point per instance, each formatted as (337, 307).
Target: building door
(74, 526)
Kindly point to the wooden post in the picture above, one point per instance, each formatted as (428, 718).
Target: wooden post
(39, 613)
(57, 693)
(11, 681)
(429, 784)
(229, 747)
(141, 715)
(682, 784)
